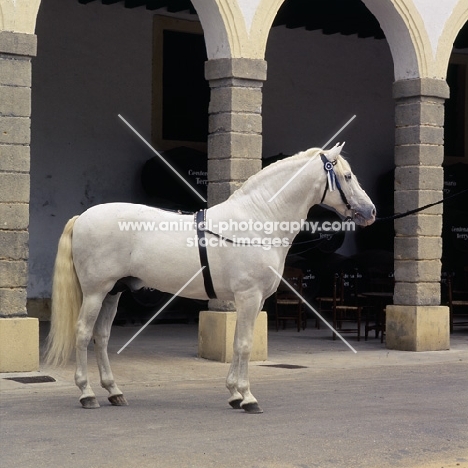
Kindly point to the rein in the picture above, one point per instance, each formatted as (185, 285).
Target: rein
(334, 182)
(417, 210)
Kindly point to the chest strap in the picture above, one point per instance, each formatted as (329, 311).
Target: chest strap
(200, 222)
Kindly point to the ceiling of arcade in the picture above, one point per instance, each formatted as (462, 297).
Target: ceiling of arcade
(345, 17)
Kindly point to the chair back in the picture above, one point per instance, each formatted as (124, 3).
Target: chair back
(294, 277)
(345, 287)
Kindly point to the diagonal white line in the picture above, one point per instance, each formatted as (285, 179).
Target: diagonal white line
(160, 310)
(305, 165)
(162, 159)
(339, 131)
(313, 310)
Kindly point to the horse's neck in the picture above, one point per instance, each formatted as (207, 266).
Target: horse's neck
(269, 196)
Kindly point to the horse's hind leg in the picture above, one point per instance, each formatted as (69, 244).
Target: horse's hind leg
(88, 315)
(101, 336)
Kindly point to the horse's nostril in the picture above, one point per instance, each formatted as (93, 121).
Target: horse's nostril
(373, 212)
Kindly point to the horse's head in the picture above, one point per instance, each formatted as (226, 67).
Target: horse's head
(342, 190)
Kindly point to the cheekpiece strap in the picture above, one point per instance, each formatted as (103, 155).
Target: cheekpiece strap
(333, 182)
(331, 176)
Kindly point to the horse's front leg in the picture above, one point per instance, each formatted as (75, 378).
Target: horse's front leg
(101, 336)
(231, 382)
(237, 380)
(88, 314)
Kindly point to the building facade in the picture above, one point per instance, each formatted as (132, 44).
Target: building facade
(249, 66)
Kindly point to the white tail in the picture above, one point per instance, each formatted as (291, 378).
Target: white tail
(66, 301)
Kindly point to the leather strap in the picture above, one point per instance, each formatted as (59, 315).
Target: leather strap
(200, 223)
(332, 179)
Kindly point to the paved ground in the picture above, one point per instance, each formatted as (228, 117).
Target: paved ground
(374, 409)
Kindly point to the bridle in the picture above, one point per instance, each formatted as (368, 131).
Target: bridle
(333, 181)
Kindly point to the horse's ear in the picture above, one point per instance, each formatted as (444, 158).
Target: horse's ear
(335, 151)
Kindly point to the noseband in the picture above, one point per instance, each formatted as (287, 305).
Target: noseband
(332, 181)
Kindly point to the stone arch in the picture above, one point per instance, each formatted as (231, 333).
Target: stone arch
(216, 36)
(19, 16)
(228, 36)
(452, 27)
(261, 24)
(406, 36)
(413, 53)
(226, 33)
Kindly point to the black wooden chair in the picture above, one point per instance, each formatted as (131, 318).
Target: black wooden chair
(378, 294)
(288, 306)
(325, 306)
(458, 302)
(346, 312)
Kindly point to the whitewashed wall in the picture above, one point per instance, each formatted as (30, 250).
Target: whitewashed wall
(316, 83)
(95, 61)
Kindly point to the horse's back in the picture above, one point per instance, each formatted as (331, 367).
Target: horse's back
(120, 212)
(117, 240)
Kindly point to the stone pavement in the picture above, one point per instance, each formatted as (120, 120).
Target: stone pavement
(324, 407)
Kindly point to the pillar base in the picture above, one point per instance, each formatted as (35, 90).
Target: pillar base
(216, 336)
(19, 344)
(40, 308)
(417, 328)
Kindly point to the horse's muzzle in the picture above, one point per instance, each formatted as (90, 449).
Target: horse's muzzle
(365, 217)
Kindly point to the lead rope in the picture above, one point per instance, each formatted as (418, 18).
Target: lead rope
(417, 210)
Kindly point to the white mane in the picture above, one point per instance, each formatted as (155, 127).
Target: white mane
(285, 168)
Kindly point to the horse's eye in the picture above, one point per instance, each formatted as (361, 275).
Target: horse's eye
(347, 177)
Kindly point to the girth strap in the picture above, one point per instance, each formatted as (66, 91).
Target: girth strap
(200, 223)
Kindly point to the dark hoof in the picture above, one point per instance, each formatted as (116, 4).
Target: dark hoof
(252, 408)
(89, 402)
(118, 400)
(236, 404)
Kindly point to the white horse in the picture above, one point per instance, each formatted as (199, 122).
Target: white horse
(97, 257)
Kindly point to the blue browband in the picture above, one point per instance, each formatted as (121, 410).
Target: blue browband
(333, 181)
